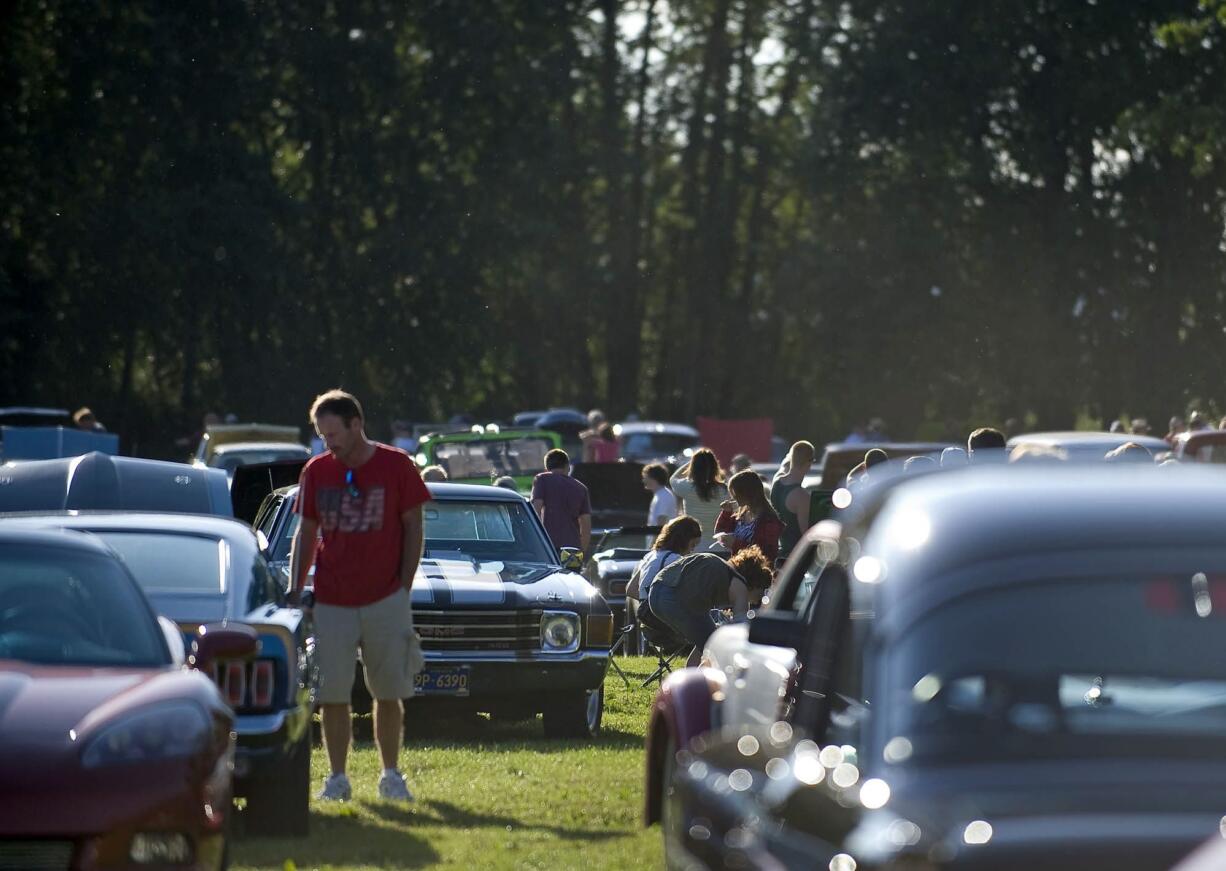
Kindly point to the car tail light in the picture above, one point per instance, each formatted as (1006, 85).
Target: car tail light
(261, 683)
(234, 686)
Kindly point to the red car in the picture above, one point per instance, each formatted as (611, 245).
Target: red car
(113, 754)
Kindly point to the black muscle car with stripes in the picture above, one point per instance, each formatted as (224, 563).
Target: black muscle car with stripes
(503, 627)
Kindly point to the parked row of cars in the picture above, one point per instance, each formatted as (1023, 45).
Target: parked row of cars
(990, 667)
(149, 650)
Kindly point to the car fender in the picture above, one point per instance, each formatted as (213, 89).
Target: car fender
(682, 711)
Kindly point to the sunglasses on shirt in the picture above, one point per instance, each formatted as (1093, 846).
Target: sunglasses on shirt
(350, 487)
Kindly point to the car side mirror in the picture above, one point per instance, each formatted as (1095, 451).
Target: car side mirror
(217, 641)
(571, 558)
(174, 640)
(777, 630)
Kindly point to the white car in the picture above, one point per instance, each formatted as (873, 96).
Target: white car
(657, 441)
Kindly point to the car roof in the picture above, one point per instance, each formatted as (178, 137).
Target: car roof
(1205, 435)
(152, 521)
(234, 447)
(656, 426)
(470, 436)
(30, 409)
(52, 538)
(1079, 438)
(101, 481)
(865, 447)
(931, 524)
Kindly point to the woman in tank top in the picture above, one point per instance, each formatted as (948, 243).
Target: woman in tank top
(789, 497)
(699, 484)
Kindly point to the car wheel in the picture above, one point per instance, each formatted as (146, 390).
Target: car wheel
(280, 805)
(575, 714)
(670, 811)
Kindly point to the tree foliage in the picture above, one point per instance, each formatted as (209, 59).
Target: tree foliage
(813, 210)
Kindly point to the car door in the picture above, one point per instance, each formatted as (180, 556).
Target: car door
(760, 673)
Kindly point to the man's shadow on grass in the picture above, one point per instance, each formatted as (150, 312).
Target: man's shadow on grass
(448, 814)
(343, 840)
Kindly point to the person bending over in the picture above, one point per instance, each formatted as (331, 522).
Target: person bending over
(683, 595)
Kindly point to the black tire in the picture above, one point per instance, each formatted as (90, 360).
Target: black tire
(279, 805)
(670, 811)
(575, 714)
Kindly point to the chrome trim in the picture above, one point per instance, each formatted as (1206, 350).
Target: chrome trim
(511, 656)
(574, 620)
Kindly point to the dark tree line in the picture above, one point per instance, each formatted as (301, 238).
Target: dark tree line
(818, 211)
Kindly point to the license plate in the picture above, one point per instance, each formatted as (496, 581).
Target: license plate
(442, 680)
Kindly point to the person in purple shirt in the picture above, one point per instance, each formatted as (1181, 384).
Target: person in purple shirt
(562, 503)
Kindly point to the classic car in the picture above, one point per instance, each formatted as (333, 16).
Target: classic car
(113, 753)
(838, 458)
(657, 441)
(997, 668)
(198, 570)
(504, 628)
(620, 505)
(218, 434)
(1087, 446)
(1201, 446)
(486, 453)
(47, 433)
(101, 481)
(231, 455)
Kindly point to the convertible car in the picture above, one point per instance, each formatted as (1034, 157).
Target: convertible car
(112, 753)
(504, 628)
(198, 570)
(995, 668)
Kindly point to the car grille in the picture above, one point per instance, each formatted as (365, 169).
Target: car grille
(35, 855)
(447, 631)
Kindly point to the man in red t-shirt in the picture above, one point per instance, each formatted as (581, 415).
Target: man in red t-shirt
(361, 525)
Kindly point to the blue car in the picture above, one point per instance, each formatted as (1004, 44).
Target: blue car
(197, 569)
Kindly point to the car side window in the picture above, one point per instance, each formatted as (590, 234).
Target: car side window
(794, 590)
(266, 519)
(264, 588)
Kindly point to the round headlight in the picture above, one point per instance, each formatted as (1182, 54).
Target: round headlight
(559, 631)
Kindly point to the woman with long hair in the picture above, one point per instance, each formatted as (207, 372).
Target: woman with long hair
(748, 518)
(789, 497)
(678, 538)
(700, 486)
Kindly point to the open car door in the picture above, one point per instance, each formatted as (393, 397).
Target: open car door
(252, 484)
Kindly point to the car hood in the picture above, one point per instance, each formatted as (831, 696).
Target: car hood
(41, 705)
(455, 582)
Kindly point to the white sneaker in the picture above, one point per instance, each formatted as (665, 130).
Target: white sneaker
(393, 787)
(336, 788)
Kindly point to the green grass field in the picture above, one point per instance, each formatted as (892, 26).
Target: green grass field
(490, 796)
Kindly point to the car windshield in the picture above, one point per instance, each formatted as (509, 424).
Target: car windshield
(1113, 665)
(651, 445)
(484, 531)
(62, 607)
(490, 458)
(171, 562)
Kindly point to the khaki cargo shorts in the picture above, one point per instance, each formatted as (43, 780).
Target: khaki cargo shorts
(391, 651)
